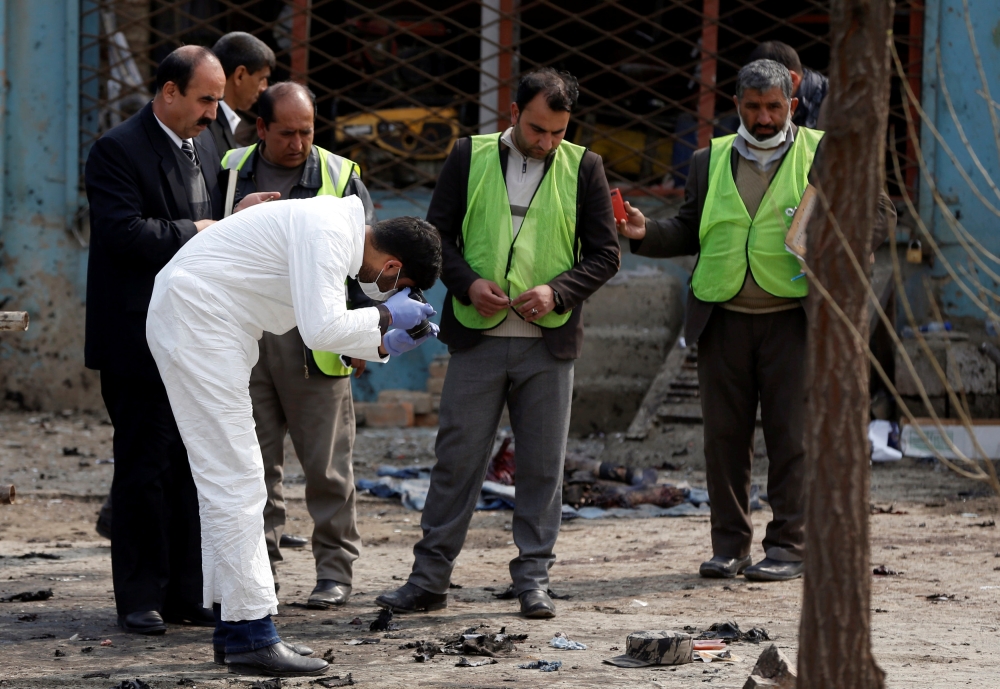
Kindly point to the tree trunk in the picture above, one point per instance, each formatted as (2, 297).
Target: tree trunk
(835, 636)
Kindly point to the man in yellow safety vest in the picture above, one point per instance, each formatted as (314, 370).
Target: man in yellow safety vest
(527, 235)
(745, 313)
(294, 389)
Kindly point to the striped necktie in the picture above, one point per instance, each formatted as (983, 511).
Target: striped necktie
(188, 149)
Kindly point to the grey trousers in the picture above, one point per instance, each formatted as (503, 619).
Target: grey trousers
(318, 412)
(537, 389)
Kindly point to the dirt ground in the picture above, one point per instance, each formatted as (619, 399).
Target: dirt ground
(621, 576)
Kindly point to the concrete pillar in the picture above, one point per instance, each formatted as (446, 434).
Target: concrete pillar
(43, 260)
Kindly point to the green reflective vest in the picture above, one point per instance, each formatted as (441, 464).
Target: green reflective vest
(544, 247)
(332, 167)
(731, 241)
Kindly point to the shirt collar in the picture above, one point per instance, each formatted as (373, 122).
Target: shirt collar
(744, 150)
(231, 117)
(507, 138)
(170, 132)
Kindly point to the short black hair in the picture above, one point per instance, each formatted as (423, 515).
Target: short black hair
(240, 48)
(416, 243)
(782, 53)
(275, 92)
(561, 89)
(179, 66)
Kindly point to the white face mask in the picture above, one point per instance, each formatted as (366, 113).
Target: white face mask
(372, 291)
(770, 142)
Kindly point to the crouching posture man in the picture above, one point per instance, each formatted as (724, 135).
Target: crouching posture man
(270, 268)
(528, 234)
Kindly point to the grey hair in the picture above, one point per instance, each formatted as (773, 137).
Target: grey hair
(764, 75)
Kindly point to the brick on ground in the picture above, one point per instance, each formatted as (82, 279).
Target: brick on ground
(435, 385)
(421, 401)
(384, 414)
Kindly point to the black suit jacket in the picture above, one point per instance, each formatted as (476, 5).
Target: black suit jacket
(595, 234)
(678, 236)
(139, 218)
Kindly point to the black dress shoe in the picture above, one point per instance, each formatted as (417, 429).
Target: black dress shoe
(774, 570)
(536, 604)
(722, 567)
(327, 594)
(411, 598)
(220, 654)
(289, 541)
(194, 617)
(146, 622)
(277, 660)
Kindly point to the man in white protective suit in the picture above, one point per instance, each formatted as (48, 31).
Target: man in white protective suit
(270, 268)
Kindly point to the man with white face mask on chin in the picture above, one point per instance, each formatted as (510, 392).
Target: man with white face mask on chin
(745, 312)
(270, 268)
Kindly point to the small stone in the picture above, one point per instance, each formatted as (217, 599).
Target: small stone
(773, 669)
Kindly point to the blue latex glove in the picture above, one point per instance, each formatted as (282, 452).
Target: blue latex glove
(406, 312)
(397, 341)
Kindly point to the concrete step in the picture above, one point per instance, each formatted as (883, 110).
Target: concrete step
(623, 351)
(605, 403)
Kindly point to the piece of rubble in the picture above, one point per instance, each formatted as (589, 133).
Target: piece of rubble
(383, 623)
(465, 662)
(335, 681)
(27, 596)
(773, 670)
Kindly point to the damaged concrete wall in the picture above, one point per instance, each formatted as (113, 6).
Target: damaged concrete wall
(967, 369)
(42, 263)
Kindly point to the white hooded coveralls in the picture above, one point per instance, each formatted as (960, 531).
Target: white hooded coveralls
(268, 268)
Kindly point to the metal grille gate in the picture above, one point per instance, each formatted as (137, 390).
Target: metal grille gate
(398, 81)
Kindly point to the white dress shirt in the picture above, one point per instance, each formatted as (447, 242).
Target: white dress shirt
(231, 117)
(173, 136)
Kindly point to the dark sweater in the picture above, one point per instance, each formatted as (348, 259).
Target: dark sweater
(600, 253)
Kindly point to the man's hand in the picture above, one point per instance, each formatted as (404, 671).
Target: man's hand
(535, 303)
(407, 313)
(255, 198)
(398, 341)
(487, 297)
(359, 366)
(202, 224)
(635, 226)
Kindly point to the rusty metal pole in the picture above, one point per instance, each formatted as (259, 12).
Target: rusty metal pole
(299, 52)
(505, 68)
(706, 91)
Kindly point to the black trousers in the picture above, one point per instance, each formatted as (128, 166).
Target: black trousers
(155, 532)
(744, 358)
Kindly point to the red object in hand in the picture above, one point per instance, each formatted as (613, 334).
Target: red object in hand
(618, 206)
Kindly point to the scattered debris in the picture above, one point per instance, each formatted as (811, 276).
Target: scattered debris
(58, 653)
(425, 650)
(107, 642)
(941, 597)
(564, 643)
(329, 622)
(654, 648)
(774, 670)
(274, 683)
(28, 596)
(725, 656)
(328, 656)
(362, 642)
(29, 617)
(131, 684)
(33, 555)
(883, 571)
(881, 610)
(453, 585)
(471, 643)
(639, 603)
(106, 461)
(97, 675)
(465, 662)
(87, 649)
(731, 631)
(186, 682)
(356, 621)
(542, 665)
(710, 645)
(891, 509)
(383, 623)
(71, 452)
(335, 681)
(986, 524)
(75, 637)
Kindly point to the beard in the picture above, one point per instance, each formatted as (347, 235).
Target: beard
(367, 274)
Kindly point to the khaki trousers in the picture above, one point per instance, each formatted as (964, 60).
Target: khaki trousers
(743, 359)
(318, 412)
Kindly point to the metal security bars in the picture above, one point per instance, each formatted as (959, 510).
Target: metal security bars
(397, 81)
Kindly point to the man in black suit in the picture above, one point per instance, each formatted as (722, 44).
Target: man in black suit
(152, 183)
(248, 63)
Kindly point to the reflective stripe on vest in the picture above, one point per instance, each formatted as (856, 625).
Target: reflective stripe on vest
(545, 245)
(730, 240)
(330, 164)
